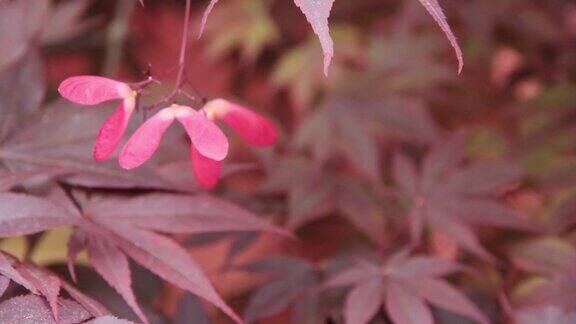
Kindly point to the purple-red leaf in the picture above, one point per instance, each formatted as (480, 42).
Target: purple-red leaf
(349, 277)
(11, 179)
(92, 306)
(440, 293)
(66, 22)
(436, 12)
(357, 143)
(31, 309)
(7, 270)
(451, 197)
(361, 209)
(363, 302)
(317, 13)
(271, 298)
(61, 138)
(47, 283)
(425, 266)
(187, 214)
(461, 233)
(108, 320)
(404, 173)
(293, 279)
(444, 158)
(488, 212)
(4, 283)
(550, 256)
(22, 214)
(544, 315)
(404, 307)
(484, 178)
(190, 308)
(76, 243)
(207, 12)
(113, 266)
(168, 260)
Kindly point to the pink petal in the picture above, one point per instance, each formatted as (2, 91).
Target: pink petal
(251, 126)
(317, 13)
(206, 170)
(204, 134)
(145, 140)
(92, 90)
(205, 16)
(436, 12)
(113, 129)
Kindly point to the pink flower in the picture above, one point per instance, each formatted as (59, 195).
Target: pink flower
(93, 90)
(209, 145)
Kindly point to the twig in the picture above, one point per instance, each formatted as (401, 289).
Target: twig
(182, 58)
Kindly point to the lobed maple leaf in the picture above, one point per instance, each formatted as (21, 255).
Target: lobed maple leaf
(190, 307)
(337, 129)
(550, 258)
(352, 127)
(295, 283)
(317, 13)
(110, 263)
(31, 309)
(297, 68)
(312, 197)
(22, 90)
(451, 198)
(42, 282)
(404, 285)
(65, 22)
(22, 214)
(544, 315)
(59, 138)
(115, 229)
(46, 283)
(434, 9)
(20, 24)
(240, 25)
(561, 217)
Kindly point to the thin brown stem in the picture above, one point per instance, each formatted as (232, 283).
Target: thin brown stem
(182, 58)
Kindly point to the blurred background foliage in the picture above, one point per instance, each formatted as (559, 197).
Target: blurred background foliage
(392, 88)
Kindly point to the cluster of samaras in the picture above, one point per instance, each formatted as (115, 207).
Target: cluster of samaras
(209, 145)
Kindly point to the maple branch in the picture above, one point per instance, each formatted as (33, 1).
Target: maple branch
(182, 57)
